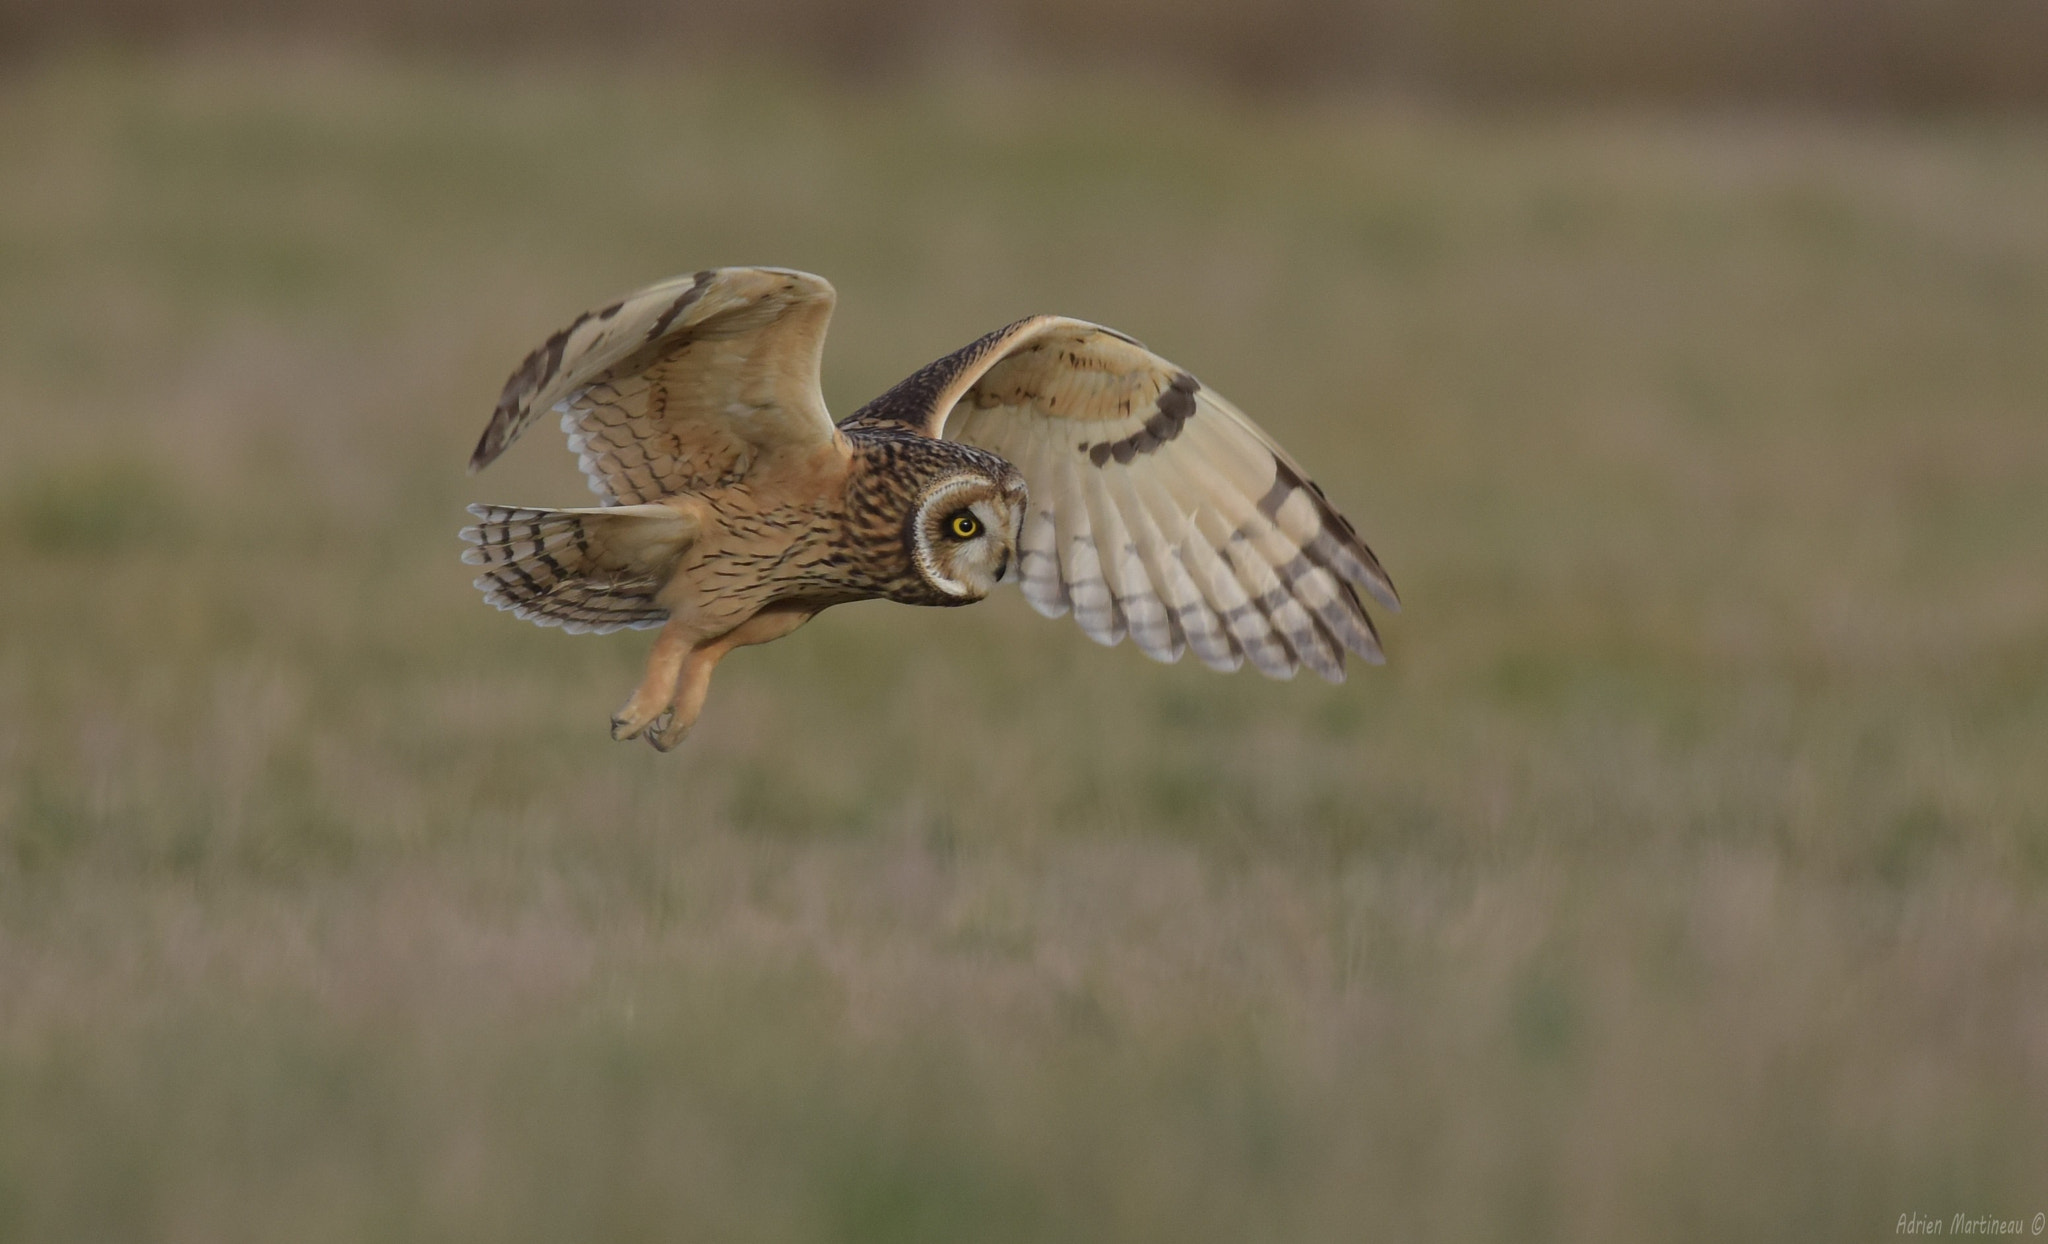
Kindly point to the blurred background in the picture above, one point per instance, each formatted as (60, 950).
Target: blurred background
(1680, 877)
(1896, 55)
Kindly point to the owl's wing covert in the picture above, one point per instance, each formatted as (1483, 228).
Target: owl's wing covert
(1157, 508)
(695, 381)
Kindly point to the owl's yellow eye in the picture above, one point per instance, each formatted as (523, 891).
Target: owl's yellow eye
(964, 526)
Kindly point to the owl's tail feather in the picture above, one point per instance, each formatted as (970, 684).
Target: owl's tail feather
(583, 570)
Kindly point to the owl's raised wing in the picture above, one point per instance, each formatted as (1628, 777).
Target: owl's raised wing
(698, 380)
(1157, 508)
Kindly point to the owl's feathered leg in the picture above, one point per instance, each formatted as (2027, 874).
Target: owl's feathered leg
(693, 679)
(657, 690)
(671, 695)
(691, 686)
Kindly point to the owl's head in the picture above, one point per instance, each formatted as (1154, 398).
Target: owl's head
(964, 528)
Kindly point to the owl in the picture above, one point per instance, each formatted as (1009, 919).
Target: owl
(1054, 453)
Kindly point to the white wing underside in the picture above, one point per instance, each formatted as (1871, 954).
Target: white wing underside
(1157, 509)
(1173, 549)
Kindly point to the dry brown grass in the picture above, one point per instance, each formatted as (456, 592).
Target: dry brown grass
(1681, 877)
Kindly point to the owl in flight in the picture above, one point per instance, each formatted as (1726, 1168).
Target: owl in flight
(1053, 452)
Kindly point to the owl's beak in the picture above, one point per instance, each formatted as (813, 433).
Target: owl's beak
(1003, 566)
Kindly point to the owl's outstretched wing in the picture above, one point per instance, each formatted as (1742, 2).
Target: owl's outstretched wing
(1157, 508)
(698, 380)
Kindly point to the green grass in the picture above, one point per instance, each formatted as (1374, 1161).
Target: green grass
(1680, 877)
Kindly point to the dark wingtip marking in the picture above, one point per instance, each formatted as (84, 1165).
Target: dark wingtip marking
(535, 373)
(542, 366)
(1286, 480)
(489, 445)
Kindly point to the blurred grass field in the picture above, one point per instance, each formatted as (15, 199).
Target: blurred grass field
(1680, 877)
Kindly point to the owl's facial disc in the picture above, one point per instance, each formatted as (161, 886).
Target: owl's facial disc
(965, 533)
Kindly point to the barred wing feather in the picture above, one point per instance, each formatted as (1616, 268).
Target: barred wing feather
(696, 381)
(1157, 509)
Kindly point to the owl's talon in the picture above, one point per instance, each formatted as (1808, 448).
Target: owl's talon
(666, 733)
(628, 725)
